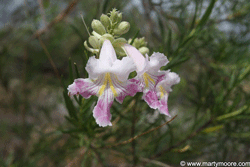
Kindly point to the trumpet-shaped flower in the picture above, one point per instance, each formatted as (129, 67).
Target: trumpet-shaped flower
(108, 79)
(159, 96)
(155, 84)
(148, 70)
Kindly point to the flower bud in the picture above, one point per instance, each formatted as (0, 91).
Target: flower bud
(98, 36)
(105, 21)
(109, 37)
(120, 51)
(94, 42)
(98, 27)
(144, 50)
(142, 41)
(119, 42)
(114, 15)
(119, 17)
(106, 37)
(90, 49)
(136, 43)
(122, 28)
(129, 41)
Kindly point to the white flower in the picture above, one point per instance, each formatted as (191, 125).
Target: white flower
(155, 84)
(108, 79)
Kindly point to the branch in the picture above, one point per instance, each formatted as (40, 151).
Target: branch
(76, 159)
(137, 136)
(183, 141)
(141, 159)
(40, 2)
(50, 59)
(58, 18)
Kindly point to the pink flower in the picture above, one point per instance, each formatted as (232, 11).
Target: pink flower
(155, 84)
(108, 79)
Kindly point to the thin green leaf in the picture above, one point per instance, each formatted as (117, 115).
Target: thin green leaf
(169, 42)
(162, 29)
(70, 106)
(105, 6)
(77, 71)
(70, 72)
(136, 34)
(232, 114)
(244, 74)
(206, 15)
(195, 15)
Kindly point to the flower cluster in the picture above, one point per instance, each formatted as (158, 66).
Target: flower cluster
(109, 76)
(109, 27)
(108, 79)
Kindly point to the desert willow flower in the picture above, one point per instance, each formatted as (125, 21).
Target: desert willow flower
(108, 79)
(155, 84)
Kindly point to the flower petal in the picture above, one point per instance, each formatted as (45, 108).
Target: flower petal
(137, 57)
(84, 87)
(96, 67)
(101, 111)
(122, 68)
(107, 53)
(169, 80)
(164, 105)
(152, 100)
(130, 89)
(157, 60)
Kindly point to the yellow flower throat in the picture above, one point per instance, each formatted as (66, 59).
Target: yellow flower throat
(146, 77)
(107, 81)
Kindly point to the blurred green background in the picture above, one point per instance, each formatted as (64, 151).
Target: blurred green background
(207, 43)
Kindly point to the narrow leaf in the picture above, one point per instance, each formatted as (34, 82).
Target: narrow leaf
(169, 42)
(195, 15)
(212, 129)
(136, 34)
(206, 14)
(70, 106)
(232, 114)
(70, 72)
(77, 71)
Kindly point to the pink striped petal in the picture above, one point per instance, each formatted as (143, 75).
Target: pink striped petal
(84, 87)
(101, 111)
(130, 90)
(151, 99)
(164, 105)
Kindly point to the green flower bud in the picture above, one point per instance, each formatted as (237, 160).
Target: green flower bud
(105, 21)
(144, 50)
(119, 42)
(98, 27)
(90, 49)
(129, 40)
(98, 36)
(119, 18)
(119, 51)
(142, 41)
(122, 28)
(108, 36)
(114, 15)
(94, 42)
(136, 43)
